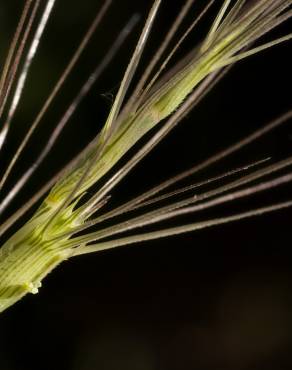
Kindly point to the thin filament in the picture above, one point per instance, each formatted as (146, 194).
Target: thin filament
(57, 88)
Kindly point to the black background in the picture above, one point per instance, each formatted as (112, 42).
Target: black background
(214, 299)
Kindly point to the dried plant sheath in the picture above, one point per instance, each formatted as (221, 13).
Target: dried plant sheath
(49, 237)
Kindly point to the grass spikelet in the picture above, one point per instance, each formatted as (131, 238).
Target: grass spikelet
(68, 222)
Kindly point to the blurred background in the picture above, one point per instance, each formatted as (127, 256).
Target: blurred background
(215, 299)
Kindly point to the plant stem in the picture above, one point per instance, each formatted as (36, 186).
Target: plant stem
(22, 268)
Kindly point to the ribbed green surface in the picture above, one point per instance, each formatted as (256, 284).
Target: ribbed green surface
(22, 269)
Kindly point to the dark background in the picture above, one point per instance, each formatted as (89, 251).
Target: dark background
(215, 299)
